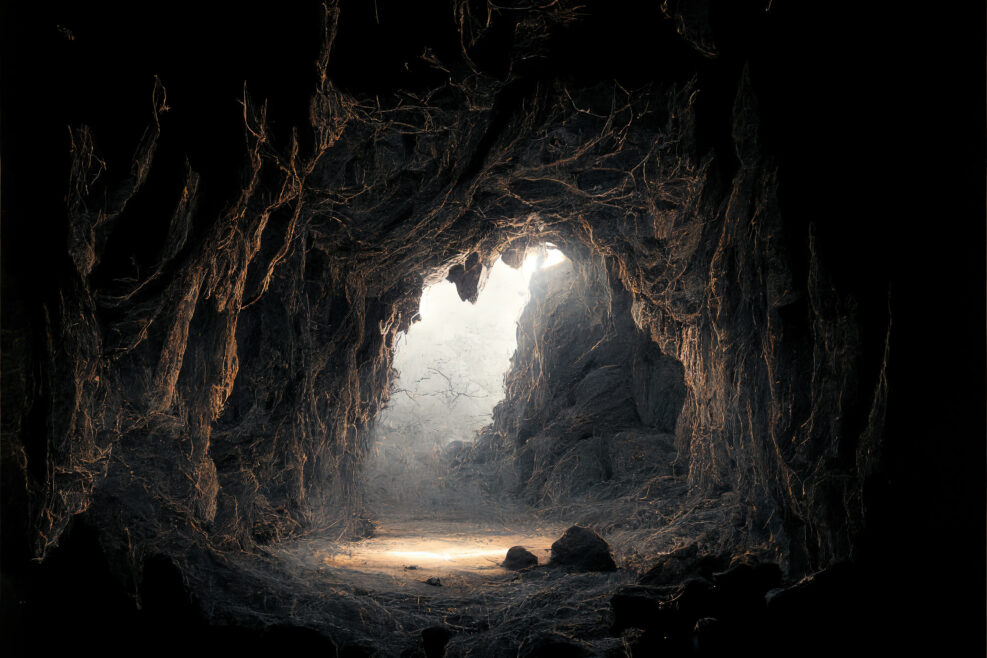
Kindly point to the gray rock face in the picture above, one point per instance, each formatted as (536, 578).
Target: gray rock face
(518, 557)
(591, 402)
(582, 549)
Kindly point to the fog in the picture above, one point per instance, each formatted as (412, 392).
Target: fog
(451, 366)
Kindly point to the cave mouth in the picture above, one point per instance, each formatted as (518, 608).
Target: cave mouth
(537, 406)
(430, 513)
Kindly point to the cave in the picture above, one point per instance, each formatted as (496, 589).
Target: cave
(739, 407)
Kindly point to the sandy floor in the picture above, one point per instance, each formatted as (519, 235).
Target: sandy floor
(453, 552)
(375, 591)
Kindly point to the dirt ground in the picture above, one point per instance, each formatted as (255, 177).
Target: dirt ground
(379, 594)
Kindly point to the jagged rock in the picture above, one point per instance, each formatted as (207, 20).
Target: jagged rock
(201, 328)
(236, 310)
(518, 557)
(466, 277)
(582, 549)
(434, 581)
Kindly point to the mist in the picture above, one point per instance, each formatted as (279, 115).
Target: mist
(450, 368)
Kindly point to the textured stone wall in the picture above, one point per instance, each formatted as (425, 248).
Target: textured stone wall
(201, 357)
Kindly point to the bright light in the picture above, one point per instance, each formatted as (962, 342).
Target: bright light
(548, 257)
(398, 552)
(450, 376)
(448, 556)
(506, 291)
(552, 258)
(451, 364)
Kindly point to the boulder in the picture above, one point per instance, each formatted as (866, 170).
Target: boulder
(518, 557)
(582, 549)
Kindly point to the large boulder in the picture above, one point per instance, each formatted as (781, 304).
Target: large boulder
(584, 550)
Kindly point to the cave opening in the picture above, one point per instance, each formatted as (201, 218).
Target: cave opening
(431, 514)
(538, 406)
(449, 374)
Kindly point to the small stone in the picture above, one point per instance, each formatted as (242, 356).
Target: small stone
(518, 557)
(583, 549)
(434, 581)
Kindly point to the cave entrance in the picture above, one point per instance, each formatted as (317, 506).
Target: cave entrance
(434, 521)
(584, 432)
(450, 365)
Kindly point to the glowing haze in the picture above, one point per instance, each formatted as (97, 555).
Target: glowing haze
(451, 363)
(451, 367)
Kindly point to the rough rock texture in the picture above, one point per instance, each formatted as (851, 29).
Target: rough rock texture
(582, 549)
(591, 402)
(213, 374)
(201, 289)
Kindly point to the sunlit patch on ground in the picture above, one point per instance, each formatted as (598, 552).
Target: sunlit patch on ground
(442, 549)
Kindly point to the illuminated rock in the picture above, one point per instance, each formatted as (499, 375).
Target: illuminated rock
(518, 557)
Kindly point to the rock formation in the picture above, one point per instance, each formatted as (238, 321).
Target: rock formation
(210, 245)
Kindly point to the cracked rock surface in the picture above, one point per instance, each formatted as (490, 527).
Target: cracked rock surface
(216, 227)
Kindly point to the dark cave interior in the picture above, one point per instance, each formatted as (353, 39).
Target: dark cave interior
(758, 379)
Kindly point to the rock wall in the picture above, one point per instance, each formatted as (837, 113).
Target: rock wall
(190, 355)
(591, 402)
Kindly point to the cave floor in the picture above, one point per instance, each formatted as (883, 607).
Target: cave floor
(375, 590)
(409, 552)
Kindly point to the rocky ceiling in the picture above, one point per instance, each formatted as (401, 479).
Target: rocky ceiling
(216, 223)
